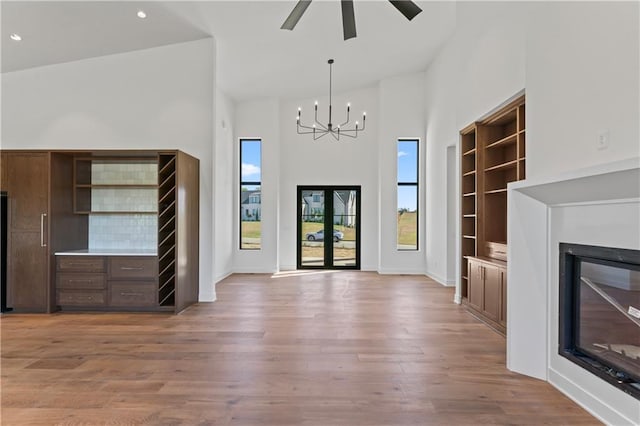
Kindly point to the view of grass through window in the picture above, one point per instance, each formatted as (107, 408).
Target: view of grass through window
(407, 194)
(250, 194)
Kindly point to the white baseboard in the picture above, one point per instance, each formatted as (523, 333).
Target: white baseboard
(288, 268)
(221, 277)
(392, 271)
(440, 280)
(589, 402)
(253, 271)
(207, 297)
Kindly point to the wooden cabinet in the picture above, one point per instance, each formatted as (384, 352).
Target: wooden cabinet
(487, 291)
(178, 229)
(133, 281)
(27, 186)
(492, 154)
(51, 197)
(40, 220)
(81, 281)
(107, 282)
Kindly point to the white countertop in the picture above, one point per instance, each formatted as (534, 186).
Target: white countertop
(108, 252)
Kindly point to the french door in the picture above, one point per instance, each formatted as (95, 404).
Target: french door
(328, 227)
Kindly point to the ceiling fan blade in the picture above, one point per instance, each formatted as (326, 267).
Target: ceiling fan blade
(408, 8)
(348, 19)
(295, 15)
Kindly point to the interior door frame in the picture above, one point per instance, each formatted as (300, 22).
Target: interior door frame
(328, 225)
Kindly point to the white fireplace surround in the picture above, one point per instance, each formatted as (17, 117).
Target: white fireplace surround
(598, 206)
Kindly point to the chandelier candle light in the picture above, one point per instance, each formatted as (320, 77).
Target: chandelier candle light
(319, 130)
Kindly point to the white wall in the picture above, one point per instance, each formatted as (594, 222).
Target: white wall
(259, 119)
(304, 161)
(582, 79)
(401, 115)
(223, 202)
(147, 99)
(368, 161)
(578, 62)
(482, 66)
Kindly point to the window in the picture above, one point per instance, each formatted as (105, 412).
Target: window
(408, 162)
(250, 195)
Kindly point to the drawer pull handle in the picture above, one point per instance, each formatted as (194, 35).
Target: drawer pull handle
(130, 294)
(131, 268)
(80, 281)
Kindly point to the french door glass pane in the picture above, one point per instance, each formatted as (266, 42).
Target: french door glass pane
(344, 228)
(312, 215)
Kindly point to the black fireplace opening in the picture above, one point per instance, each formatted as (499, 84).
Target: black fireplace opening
(600, 312)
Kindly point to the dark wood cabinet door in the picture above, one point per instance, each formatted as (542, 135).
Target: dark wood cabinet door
(503, 308)
(493, 292)
(476, 285)
(28, 176)
(28, 272)
(28, 194)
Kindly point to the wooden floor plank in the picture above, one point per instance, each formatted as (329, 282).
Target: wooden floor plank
(318, 348)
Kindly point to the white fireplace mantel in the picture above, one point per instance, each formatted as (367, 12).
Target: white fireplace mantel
(599, 205)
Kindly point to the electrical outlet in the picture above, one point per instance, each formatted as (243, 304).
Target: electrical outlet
(603, 140)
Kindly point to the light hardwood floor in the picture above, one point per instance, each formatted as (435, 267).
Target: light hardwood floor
(307, 348)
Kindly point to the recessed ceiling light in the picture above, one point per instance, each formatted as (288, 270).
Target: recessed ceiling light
(142, 14)
(15, 37)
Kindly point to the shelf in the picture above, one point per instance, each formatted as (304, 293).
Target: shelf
(166, 166)
(470, 152)
(166, 209)
(471, 237)
(172, 233)
(502, 166)
(116, 186)
(511, 139)
(167, 179)
(165, 299)
(166, 195)
(116, 212)
(496, 191)
(472, 172)
(469, 194)
(172, 263)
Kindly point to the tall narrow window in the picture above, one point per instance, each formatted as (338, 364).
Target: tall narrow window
(250, 194)
(408, 162)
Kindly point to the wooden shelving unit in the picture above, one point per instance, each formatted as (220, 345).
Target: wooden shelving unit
(84, 187)
(178, 230)
(469, 187)
(166, 229)
(493, 154)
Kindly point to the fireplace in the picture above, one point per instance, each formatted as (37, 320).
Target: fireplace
(600, 312)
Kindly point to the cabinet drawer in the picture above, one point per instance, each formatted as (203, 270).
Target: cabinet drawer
(133, 293)
(81, 263)
(133, 267)
(80, 281)
(81, 298)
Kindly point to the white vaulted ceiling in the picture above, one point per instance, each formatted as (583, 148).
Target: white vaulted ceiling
(255, 58)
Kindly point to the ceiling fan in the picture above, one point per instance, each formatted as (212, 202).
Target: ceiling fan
(408, 8)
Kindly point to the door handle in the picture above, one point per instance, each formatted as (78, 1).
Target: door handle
(42, 242)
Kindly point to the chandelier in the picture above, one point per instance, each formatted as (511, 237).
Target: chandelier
(319, 130)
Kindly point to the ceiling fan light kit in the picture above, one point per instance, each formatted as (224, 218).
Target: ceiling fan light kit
(407, 7)
(319, 130)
